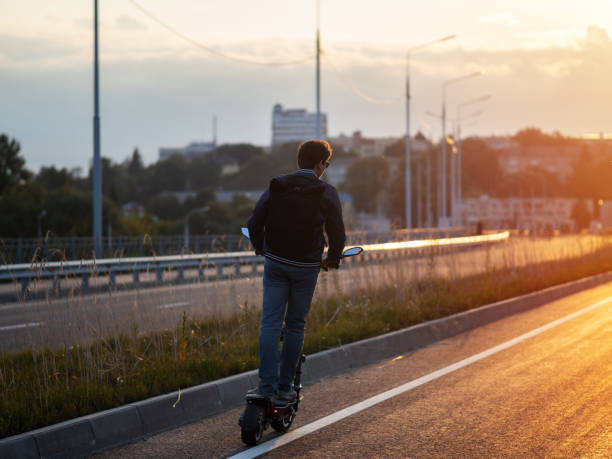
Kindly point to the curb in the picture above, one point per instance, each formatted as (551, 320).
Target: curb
(106, 429)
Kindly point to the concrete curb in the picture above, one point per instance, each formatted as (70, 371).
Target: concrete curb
(88, 434)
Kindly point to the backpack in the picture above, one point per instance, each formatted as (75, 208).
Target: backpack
(294, 224)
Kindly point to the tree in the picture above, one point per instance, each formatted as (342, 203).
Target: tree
(12, 170)
(256, 173)
(531, 181)
(52, 178)
(221, 217)
(168, 175)
(203, 197)
(581, 214)
(240, 152)
(203, 172)
(532, 136)
(135, 165)
(480, 171)
(166, 207)
(365, 179)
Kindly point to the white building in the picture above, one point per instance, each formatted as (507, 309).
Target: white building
(363, 146)
(534, 214)
(295, 125)
(191, 151)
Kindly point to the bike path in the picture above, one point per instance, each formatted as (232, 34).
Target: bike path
(549, 395)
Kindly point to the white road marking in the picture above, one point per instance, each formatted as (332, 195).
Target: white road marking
(346, 412)
(18, 326)
(173, 305)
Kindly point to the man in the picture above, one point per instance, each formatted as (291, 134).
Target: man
(287, 228)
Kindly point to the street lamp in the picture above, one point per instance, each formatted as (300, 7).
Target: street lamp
(318, 73)
(408, 140)
(442, 205)
(458, 190)
(96, 169)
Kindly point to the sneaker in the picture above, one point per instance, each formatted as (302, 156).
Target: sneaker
(286, 395)
(255, 393)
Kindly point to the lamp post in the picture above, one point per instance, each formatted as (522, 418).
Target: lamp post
(456, 169)
(408, 151)
(318, 73)
(96, 169)
(459, 190)
(442, 203)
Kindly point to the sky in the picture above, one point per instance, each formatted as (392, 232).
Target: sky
(545, 63)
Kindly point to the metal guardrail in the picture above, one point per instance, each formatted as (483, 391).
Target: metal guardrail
(24, 250)
(85, 269)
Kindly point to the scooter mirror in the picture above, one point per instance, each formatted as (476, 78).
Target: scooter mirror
(352, 252)
(245, 232)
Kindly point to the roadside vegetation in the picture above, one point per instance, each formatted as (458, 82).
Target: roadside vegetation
(39, 387)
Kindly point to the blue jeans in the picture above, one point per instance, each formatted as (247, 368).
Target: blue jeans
(287, 294)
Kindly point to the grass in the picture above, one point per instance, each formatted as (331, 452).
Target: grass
(44, 386)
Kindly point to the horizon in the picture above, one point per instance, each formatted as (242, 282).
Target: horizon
(544, 66)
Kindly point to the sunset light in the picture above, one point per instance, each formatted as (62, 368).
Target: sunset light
(315, 228)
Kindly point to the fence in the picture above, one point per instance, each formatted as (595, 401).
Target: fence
(29, 250)
(202, 263)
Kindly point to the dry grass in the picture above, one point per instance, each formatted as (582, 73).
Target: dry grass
(128, 362)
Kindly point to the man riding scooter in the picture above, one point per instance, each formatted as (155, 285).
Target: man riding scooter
(287, 227)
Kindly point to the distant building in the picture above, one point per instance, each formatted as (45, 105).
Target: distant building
(295, 125)
(605, 214)
(191, 151)
(558, 161)
(363, 146)
(133, 209)
(534, 214)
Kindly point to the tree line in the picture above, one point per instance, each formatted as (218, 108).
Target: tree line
(59, 200)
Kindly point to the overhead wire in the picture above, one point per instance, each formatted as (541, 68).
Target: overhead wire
(214, 51)
(230, 57)
(355, 90)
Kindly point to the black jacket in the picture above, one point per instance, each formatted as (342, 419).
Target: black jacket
(330, 216)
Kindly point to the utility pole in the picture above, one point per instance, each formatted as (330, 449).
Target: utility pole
(97, 172)
(215, 131)
(408, 147)
(458, 183)
(442, 202)
(318, 73)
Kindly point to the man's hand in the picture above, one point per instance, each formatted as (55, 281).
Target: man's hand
(326, 264)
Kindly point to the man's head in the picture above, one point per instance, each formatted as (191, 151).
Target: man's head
(315, 155)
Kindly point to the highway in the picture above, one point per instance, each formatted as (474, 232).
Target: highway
(536, 384)
(79, 318)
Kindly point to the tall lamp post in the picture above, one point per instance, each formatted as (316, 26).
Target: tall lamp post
(318, 72)
(97, 173)
(456, 167)
(459, 190)
(442, 203)
(408, 152)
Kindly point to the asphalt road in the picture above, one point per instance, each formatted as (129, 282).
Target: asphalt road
(549, 395)
(79, 318)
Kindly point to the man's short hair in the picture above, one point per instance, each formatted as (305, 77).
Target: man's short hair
(312, 152)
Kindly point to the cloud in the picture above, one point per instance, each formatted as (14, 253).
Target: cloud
(25, 49)
(169, 98)
(125, 22)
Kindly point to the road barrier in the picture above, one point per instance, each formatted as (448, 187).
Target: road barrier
(21, 250)
(162, 266)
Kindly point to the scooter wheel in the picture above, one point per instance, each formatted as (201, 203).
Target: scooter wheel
(252, 425)
(283, 425)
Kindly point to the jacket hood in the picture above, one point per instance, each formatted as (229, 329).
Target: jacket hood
(298, 182)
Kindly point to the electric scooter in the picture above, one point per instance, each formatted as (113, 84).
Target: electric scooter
(263, 411)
